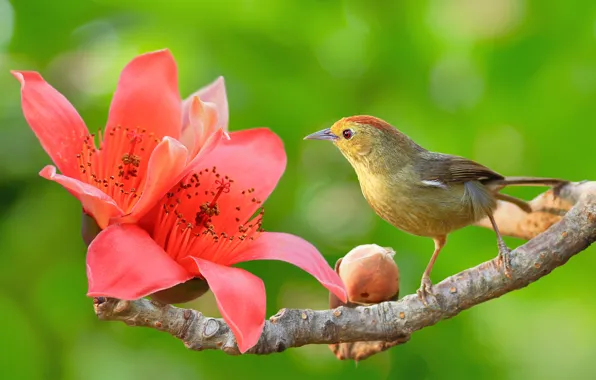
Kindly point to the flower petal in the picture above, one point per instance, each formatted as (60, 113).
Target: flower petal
(148, 219)
(95, 202)
(215, 93)
(253, 159)
(203, 122)
(147, 96)
(294, 250)
(212, 142)
(54, 121)
(240, 297)
(164, 170)
(124, 262)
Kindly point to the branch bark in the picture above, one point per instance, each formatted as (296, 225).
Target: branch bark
(564, 237)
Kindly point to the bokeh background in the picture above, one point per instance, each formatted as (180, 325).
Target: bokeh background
(510, 83)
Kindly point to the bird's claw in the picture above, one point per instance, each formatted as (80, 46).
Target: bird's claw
(426, 289)
(504, 259)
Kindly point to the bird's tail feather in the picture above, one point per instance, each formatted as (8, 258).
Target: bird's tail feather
(525, 206)
(528, 181)
(498, 184)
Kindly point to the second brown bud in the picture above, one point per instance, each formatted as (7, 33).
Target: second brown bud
(370, 276)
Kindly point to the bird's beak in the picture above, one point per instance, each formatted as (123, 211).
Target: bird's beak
(325, 134)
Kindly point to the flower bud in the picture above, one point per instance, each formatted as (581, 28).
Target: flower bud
(369, 274)
(89, 228)
(181, 293)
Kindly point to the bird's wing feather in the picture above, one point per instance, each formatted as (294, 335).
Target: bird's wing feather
(447, 169)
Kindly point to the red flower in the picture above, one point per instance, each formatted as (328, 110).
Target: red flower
(154, 143)
(201, 228)
(140, 157)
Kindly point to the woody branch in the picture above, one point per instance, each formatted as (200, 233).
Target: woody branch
(554, 240)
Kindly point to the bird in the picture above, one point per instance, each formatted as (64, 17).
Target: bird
(421, 192)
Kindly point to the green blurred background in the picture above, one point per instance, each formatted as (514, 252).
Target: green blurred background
(510, 83)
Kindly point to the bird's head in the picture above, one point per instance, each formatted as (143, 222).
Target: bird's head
(359, 137)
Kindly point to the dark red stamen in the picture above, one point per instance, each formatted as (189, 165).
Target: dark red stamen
(135, 137)
(118, 166)
(210, 209)
(182, 236)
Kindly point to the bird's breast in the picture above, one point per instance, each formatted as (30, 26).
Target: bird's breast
(419, 209)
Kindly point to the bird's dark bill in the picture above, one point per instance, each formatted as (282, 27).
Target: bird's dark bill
(325, 134)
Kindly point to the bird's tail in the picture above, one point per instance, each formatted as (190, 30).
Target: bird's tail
(528, 181)
(497, 184)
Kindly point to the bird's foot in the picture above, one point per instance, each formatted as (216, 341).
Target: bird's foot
(504, 259)
(426, 289)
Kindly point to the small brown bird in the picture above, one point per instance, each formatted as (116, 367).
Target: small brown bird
(421, 192)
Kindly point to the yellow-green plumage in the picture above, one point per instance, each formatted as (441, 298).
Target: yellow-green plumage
(421, 192)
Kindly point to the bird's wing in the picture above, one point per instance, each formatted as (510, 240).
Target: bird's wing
(445, 169)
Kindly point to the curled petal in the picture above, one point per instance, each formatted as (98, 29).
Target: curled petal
(95, 202)
(215, 93)
(165, 168)
(240, 297)
(54, 121)
(296, 251)
(211, 144)
(203, 122)
(124, 262)
(148, 217)
(147, 96)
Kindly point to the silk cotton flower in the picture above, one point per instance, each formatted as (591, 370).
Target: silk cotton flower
(174, 200)
(139, 157)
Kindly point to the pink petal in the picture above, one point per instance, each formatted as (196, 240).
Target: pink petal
(203, 122)
(215, 93)
(95, 202)
(240, 297)
(165, 169)
(213, 141)
(147, 96)
(124, 262)
(253, 158)
(54, 121)
(296, 251)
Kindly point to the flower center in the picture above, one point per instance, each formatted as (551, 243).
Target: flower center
(118, 167)
(214, 230)
(208, 210)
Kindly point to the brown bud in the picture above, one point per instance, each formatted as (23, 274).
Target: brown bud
(181, 293)
(89, 228)
(369, 274)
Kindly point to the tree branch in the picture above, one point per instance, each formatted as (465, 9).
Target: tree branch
(394, 321)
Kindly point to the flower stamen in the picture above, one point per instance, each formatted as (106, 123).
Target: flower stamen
(200, 237)
(120, 177)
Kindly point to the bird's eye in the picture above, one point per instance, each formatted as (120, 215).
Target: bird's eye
(347, 133)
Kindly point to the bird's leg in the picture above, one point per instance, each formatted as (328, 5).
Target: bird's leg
(504, 251)
(426, 284)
